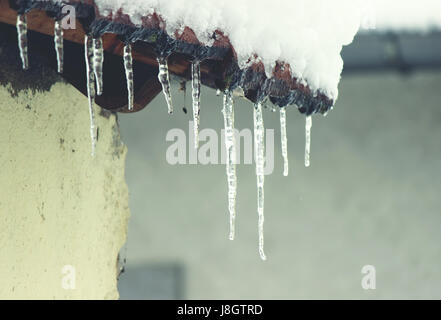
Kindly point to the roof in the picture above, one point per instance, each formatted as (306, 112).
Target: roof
(292, 60)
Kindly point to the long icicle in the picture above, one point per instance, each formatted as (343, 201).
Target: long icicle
(98, 62)
(259, 149)
(88, 48)
(308, 127)
(164, 79)
(128, 65)
(196, 94)
(59, 45)
(284, 140)
(230, 144)
(22, 31)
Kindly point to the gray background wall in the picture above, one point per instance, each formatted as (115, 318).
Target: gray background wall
(371, 196)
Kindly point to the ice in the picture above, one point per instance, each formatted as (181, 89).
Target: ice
(230, 145)
(218, 92)
(284, 140)
(90, 77)
(22, 31)
(196, 94)
(98, 61)
(128, 65)
(164, 79)
(59, 45)
(259, 149)
(308, 127)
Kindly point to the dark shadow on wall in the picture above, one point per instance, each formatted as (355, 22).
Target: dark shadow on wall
(161, 281)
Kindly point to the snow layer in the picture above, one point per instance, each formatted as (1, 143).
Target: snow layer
(414, 16)
(307, 34)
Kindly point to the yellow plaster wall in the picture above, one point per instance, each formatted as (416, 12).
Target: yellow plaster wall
(58, 205)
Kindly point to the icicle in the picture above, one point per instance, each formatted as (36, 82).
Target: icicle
(98, 61)
(22, 30)
(230, 144)
(259, 149)
(88, 48)
(284, 141)
(128, 64)
(308, 127)
(196, 94)
(59, 45)
(218, 92)
(164, 78)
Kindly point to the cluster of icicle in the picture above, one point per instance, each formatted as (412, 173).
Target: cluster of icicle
(230, 145)
(94, 57)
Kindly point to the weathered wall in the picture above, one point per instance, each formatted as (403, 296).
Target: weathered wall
(58, 205)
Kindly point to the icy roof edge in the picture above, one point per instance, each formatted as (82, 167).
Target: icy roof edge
(305, 36)
(252, 76)
(281, 88)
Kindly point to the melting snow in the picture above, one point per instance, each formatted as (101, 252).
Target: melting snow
(259, 149)
(164, 79)
(230, 145)
(196, 94)
(284, 140)
(22, 31)
(98, 61)
(308, 126)
(90, 78)
(128, 66)
(307, 34)
(59, 45)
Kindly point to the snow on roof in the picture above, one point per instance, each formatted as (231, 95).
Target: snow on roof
(306, 34)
